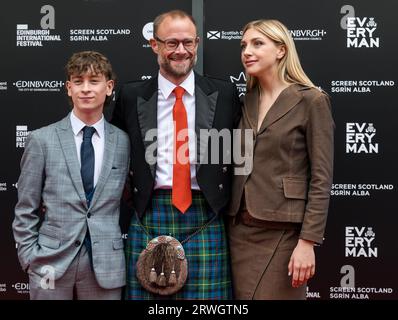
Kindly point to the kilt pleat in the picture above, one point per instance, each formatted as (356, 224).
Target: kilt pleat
(209, 275)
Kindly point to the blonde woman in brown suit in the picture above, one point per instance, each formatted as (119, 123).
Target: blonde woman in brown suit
(279, 207)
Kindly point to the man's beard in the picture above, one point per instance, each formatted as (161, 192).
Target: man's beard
(177, 71)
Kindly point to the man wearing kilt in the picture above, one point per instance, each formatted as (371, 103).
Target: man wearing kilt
(180, 180)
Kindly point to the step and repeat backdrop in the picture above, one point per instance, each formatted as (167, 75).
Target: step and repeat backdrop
(349, 49)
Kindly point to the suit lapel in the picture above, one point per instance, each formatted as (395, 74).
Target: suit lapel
(286, 101)
(250, 109)
(205, 101)
(109, 154)
(147, 111)
(68, 146)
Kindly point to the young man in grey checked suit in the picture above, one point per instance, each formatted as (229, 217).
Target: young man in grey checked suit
(76, 169)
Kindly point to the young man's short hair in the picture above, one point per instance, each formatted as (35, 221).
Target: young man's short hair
(90, 62)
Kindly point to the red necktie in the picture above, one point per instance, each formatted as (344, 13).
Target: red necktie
(181, 193)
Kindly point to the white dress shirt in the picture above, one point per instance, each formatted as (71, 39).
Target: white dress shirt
(98, 141)
(166, 100)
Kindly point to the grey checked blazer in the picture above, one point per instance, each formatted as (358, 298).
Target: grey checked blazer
(50, 175)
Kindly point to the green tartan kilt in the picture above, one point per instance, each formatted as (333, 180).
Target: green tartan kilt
(209, 275)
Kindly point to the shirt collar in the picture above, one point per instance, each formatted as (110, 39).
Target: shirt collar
(166, 87)
(78, 125)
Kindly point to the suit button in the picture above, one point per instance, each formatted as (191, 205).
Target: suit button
(77, 243)
(135, 190)
(89, 215)
(220, 186)
(131, 173)
(224, 169)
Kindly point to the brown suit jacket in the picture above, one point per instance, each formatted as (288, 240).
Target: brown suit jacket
(292, 158)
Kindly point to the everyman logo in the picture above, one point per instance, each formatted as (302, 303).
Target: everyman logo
(361, 32)
(360, 138)
(359, 242)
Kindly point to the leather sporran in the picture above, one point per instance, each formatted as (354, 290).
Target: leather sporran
(162, 267)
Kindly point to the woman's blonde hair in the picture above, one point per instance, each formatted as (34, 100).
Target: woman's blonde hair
(289, 68)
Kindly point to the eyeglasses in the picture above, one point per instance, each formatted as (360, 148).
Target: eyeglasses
(172, 44)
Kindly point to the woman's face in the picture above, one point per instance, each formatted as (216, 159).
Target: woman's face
(259, 53)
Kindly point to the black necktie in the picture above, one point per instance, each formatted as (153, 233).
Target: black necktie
(87, 161)
(87, 171)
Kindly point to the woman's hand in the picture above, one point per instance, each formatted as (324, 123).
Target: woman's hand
(302, 263)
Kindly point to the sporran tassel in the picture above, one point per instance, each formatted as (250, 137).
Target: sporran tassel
(173, 278)
(153, 276)
(161, 279)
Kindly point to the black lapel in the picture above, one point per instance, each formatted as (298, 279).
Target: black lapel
(205, 109)
(147, 112)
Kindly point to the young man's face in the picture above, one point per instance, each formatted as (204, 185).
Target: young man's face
(88, 92)
(176, 64)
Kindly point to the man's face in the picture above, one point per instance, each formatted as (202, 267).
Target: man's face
(88, 92)
(175, 64)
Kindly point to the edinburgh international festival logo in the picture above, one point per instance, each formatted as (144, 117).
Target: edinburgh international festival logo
(34, 37)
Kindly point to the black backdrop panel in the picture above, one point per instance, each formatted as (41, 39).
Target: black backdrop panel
(32, 80)
(359, 256)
